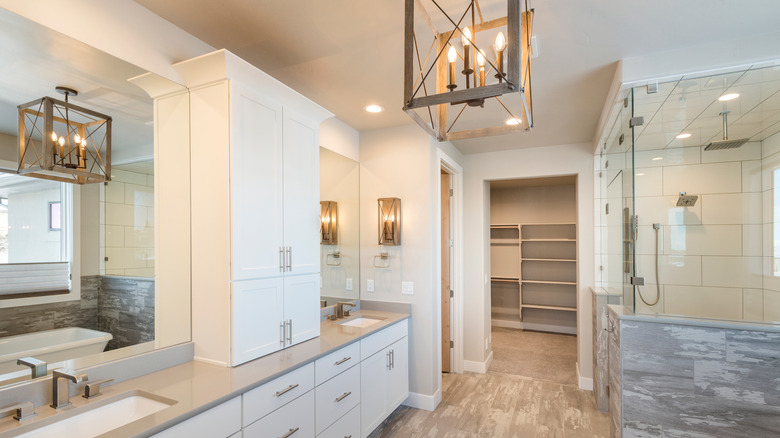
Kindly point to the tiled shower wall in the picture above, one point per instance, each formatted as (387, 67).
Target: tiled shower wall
(716, 259)
(127, 213)
(123, 307)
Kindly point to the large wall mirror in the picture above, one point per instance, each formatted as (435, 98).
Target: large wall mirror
(76, 259)
(340, 227)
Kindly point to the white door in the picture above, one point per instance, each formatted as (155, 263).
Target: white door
(302, 307)
(398, 375)
(255, 185)
(257, 313)
(301, 195)
(373, 391)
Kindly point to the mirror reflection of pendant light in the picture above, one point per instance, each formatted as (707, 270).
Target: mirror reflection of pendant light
(64, 142)
(328, 223)
(389, 221)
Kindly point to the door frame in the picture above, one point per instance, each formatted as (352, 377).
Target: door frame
(449, 165)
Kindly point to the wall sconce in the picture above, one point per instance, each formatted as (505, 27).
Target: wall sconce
(389, 221)
(328, 223)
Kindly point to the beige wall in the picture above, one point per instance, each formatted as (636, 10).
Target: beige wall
(523, 163)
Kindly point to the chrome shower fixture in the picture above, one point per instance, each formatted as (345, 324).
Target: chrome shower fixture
(725, 143)
(686, 200)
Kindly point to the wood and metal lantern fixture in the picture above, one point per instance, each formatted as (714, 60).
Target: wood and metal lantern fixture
(63, 142)
(389, 221)
(477, 60)
(329, 230)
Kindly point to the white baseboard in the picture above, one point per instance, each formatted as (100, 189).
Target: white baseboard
(585, 383)
(478, 367)
(422, 401)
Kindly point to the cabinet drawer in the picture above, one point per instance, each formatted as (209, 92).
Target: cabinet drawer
(336, 362)
(265, 399)
(347, 426)
(378, 341)
(293, 420)
(336, 397)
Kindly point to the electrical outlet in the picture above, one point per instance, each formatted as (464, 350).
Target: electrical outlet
(370, 285)
(407, 287)
(349, 284)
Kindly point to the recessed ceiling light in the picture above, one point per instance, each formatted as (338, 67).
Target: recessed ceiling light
(730, 96)
(683, 135)
(513, 121)
(657, 158)
(374, 108)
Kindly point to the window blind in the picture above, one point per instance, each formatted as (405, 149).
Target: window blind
(33, 278)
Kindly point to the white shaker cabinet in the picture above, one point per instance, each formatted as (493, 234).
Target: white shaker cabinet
(255, 210)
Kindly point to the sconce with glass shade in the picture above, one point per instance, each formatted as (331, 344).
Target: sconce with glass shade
(328, 223)
(389, 221)
(63, 142)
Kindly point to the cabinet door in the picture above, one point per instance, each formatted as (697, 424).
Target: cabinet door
(302, 307)
(373, 391)
(255, 185)
(398, 375)
(257, 310)
(221, 421)
(301, 194)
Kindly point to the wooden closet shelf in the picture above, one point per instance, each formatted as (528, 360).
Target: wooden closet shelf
(539, 306)
(548, 240)
(548, 260)
(549, 282)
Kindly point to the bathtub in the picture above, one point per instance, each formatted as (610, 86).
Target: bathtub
(51, 346)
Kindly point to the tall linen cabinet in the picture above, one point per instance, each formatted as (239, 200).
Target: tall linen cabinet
(255, 210)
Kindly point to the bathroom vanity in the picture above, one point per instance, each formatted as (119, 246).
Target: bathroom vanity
(346, 382)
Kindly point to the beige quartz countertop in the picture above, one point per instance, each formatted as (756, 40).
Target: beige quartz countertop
(199, 386)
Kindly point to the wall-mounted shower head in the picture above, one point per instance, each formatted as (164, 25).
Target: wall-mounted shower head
(725, 143)
(686, 200)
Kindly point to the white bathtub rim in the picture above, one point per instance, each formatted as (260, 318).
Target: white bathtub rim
(102, 337)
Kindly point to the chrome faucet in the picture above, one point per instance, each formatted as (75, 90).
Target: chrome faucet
(340, 312)
(38, 366)
(60, 389)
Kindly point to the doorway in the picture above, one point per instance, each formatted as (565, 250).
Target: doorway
(533, 264)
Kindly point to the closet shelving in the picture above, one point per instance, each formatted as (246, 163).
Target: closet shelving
(534, 276)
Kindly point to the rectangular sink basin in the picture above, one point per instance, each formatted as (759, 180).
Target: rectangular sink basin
(361, 322)
(89, 421)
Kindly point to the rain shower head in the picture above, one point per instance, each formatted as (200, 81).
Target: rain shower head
(686, 200)
(725, 143)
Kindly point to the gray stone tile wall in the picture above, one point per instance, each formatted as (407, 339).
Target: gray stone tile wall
(126, 310)
(601, 348)
(686, 381)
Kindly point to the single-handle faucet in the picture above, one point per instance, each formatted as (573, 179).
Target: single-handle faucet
(60, 389)
(340, 312)
(23, 411)
(38, 366)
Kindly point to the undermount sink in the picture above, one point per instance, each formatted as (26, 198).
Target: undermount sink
(89, 421)
(361, 322)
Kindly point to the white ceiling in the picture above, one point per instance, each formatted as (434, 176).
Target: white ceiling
(345, 54)
(35, 59)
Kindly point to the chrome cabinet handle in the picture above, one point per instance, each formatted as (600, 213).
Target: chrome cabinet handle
(286, 390)
(392, 359)
(343, 360)
(342, 397)
(289, 258)
(281, 259)
(289, 331)
(388, 360)
(291, 431)
(281, 333)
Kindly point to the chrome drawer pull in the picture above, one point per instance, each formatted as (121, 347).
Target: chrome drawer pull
(288, 434)
(343, 360)
(286, 390)
(346, 394)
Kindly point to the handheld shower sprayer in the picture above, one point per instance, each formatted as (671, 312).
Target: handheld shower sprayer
(656, 228)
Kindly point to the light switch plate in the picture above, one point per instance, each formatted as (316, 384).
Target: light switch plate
(407, 287)
(349, 284)
(370, 285)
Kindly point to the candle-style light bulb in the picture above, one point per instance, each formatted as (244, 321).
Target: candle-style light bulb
(54, 136)
(481, 63)
(77, 138)
(466, 40)
(500, 46)
(61, 141)
(451, 56)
